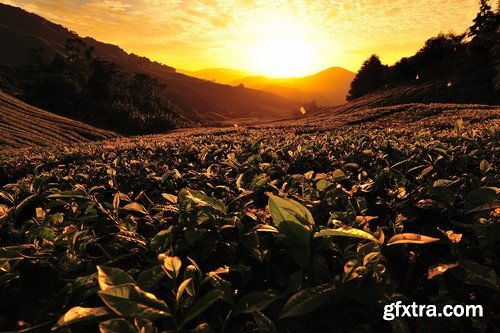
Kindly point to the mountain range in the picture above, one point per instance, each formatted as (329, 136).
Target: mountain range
(328, 87)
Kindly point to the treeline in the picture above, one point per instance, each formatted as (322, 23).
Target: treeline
(462, 68)
(81, 86)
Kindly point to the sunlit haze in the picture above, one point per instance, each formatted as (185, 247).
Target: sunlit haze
(273, 38)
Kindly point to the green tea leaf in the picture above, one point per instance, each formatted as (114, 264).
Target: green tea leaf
(256, 301)
(44, 233)
(347, 232)
(23, 205)
(338, 175)
(224, 286)
(68, 195)
(136, 207)
(410, 238)
(442, 182)
(161, 240)
(481, 199)
(55, 219)
(484, 166)
(201, 199)
(128, 300)
(80, 314)
(170, 198)
(119, 325)
(264, 324)
(172, 266)
(150, 277)
(7, 253)
(182, 288)
(289, 209)
(204, 303)
(70, 262)
(307, 300)
(292, 219)
(109, 277)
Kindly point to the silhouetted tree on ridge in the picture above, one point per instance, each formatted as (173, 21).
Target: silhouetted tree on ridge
(486, 21)
(463, 68)
(485, 34)
(371, 76)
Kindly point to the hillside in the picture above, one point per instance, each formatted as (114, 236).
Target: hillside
(328, 87)
(425, 92)
(391, 107)
(22, 125)
(200, 100)
(449, 68)
(219, 75)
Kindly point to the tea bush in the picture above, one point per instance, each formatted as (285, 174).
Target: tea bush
(253, 230)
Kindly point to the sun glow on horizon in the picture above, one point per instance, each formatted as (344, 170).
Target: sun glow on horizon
(283, 56)
(283, 46)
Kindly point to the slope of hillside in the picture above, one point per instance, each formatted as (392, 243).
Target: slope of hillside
(328, 87)
(220, 75)
(22, 125)
(396, 108)
(425, 93)
(201, 100)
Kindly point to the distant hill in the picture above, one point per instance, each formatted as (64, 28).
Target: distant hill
(448, 68)
(403, 108)
(219, 75)
(200, 100)
(24, 125)
(328, 87)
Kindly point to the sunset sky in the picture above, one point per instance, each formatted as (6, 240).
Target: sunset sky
(274, 38)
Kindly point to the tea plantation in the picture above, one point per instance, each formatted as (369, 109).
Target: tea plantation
(301, 226)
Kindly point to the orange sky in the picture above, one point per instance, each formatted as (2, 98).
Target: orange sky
(274, 38)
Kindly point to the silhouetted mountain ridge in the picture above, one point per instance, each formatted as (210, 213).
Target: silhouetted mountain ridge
(328, 87)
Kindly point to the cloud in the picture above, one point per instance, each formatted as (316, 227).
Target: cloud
(113, 5)
(203, 33)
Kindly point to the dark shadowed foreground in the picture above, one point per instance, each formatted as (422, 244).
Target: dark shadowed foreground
(308, 225)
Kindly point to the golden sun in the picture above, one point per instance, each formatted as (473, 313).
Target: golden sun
(282, 47)
(283, 56)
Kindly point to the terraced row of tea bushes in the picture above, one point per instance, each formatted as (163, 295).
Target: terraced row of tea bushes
(260, 231)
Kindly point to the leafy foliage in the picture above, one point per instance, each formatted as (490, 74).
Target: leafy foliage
(271, 230)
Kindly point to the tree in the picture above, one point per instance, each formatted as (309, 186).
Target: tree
(486, 21)
(485, 34)
(371, 76)
(81, 86)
